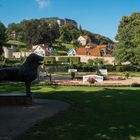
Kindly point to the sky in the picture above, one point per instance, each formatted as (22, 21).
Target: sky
(98, 16)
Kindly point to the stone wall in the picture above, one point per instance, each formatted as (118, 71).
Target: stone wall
(21, 54)
(8, 52)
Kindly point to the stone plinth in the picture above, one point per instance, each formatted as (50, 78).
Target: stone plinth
(15, 99)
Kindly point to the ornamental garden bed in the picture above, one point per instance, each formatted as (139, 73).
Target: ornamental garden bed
(117, 81)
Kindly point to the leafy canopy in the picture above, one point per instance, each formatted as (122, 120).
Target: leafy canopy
(2, 36)
(129, 39)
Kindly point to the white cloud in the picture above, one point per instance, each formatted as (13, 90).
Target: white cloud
(43, 3)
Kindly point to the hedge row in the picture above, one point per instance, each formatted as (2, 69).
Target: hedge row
(52, 60)
(122, 68)
(49, 60)
(87, 68)
(10, 62)
(63, 59)
(74, 60)
(75, 63)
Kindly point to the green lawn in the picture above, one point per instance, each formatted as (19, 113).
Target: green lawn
(96, 113)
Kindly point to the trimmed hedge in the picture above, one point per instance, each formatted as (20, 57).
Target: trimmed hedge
(49, 60)
(122, 68)
(83, 67)
(109, 67)
(52, 60)
(71, 59)
(63, 59)
(74, 60)
(10, 62)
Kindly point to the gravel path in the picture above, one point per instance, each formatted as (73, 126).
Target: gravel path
(128, 81)
(16, 119)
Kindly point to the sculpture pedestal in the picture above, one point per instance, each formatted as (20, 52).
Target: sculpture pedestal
(15, 99)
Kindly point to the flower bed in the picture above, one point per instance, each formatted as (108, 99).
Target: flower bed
(111, 82)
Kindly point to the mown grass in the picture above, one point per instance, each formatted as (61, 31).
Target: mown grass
(96, 113)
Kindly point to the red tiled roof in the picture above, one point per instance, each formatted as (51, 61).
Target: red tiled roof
(95, 51)
(81, 51)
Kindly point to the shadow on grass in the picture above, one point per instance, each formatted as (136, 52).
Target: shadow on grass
(10, 87)
(101, 114)
(95, 113)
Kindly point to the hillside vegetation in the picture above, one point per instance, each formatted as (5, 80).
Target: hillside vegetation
(46, 30)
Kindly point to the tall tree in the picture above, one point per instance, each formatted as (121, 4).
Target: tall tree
(129, 39)
(40, 32)
(69, 33)
(31, 32)
(2, 36)
(16, 32)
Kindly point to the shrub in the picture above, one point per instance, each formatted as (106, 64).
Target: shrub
(126, 74)
(138, 68)
(90, 62)
(109, 67)
(78, 66)
(99, 62)
(135, 85)
(119, 68)
(63, 68)
(122, 68)
(72, 75)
